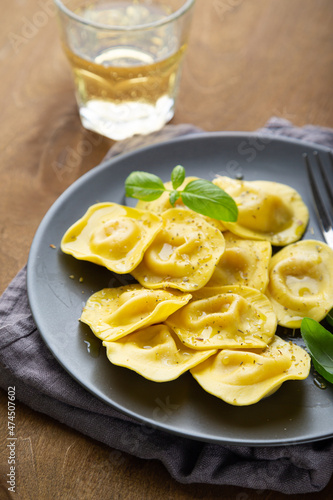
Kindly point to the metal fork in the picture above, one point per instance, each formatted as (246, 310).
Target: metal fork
(323, 210)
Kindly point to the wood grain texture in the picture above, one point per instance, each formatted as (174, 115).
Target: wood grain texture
(247, 61)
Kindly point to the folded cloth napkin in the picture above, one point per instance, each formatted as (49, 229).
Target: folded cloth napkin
(42, 384)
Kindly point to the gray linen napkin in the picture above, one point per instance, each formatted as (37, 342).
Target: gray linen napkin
(42, 384)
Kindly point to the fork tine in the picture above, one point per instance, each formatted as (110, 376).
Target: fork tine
(328, 186)
(330, 157)
(324, 219)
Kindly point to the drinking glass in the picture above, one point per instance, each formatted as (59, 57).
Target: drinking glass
(126, 57)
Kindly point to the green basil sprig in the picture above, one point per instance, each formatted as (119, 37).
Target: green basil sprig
(199, 195)
(319, 342)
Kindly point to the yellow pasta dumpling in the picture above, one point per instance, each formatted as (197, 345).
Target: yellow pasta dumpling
(155, 353)
(112, 313)
(162, 203)
(266, 210)
(244, 377)
(244, 262)
(112, 235)
(225, 317)
(301, 282)
(184, 253)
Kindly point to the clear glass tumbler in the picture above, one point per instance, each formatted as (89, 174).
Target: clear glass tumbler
(126, 57)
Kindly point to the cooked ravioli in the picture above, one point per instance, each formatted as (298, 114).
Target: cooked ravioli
(225, 317)
(112, 235)
(266, 210)
(244, 262)
(244, 377)
(162, 204)
(301, 282)
(155, 352)
(184, 253)
(112, 313)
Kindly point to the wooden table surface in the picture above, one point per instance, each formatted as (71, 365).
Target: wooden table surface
(247, 61)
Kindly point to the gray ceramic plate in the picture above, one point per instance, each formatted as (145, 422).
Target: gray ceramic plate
(299, 412)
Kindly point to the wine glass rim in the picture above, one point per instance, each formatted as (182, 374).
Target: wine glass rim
(161, 22)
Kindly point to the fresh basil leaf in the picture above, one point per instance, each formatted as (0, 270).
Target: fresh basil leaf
(319, 342)
(321, 370)
(144, 186)
(173, 197)
(177, 176)
(208, 199)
